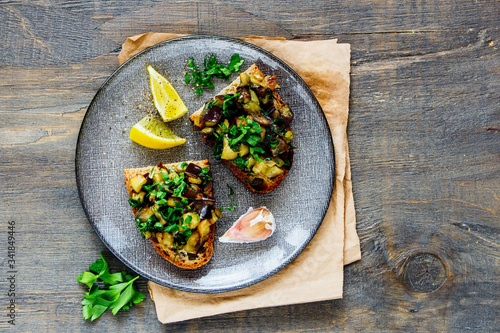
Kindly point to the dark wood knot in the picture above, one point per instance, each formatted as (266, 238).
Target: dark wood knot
(424, 272)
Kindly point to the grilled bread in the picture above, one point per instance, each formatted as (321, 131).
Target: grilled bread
(247, 125)
(174, 207)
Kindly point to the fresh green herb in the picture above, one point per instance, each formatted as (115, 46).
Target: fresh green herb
(206, 179)
(254, 151)
(183, 165)
(181, 238)
(181, 232)
(233, 203)
(235, 63)
(253, 140)
(135, 203)
(204, 176)
(151, 225)
(166, 218)
(119, 291)
(280, 131)
(229, 100)
(149, 188)
(179, 179)
(161, 202)
(218, 145)
(203, 78)
(223, 127)
(175, 224)
(180, 189)
(187, 233)
(272, 140)
(227, 106)
(249, 134)
(171, 214)
(241, 162)
(100, 268)
(187, 220)
(171, 228)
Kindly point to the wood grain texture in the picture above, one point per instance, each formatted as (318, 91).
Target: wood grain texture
(424, 136)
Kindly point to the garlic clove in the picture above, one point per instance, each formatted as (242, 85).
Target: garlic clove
(253, 226)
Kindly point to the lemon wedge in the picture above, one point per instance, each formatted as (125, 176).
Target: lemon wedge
(165, 97)
(153, 133)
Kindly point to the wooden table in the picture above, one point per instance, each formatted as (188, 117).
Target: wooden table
(424, 135)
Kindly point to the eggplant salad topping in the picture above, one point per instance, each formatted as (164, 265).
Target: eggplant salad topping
(174, 206)
(250, 127)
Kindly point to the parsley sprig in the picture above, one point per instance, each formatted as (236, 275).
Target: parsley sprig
(203, 78)
(248, 134)
(118, 293)
(204, 176)
(151, 225)
(227, 107)
(233, 203)
(176, 187)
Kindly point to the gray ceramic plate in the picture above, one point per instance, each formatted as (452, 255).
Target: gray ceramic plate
(104, 150)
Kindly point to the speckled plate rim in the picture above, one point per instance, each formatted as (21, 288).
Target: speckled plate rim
(146, 274)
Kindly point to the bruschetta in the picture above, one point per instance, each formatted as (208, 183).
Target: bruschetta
(247, 125)
(174, 208)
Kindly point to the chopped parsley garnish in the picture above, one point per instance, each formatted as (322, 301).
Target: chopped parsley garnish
(249, 134)
(241, 162)
(180, 189)
(233, 203)
(171, 228)
(149, 187)
(203, 78)
(165, 204)
(235, 63)
(171, 214)
(152, 225)
(204, 176)
(227, 105)
(134, 203)
(218, 145)
(161, 202)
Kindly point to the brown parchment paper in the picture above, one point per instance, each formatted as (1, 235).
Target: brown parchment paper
(317, 273)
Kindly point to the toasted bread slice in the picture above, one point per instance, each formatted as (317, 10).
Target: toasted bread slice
(179, 214)
(230, 125)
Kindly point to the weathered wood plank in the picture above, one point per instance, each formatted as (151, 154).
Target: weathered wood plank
(72, 32)
(424, 141)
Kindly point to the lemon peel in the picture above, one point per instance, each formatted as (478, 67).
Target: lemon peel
(166, 99)
(153, 133)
